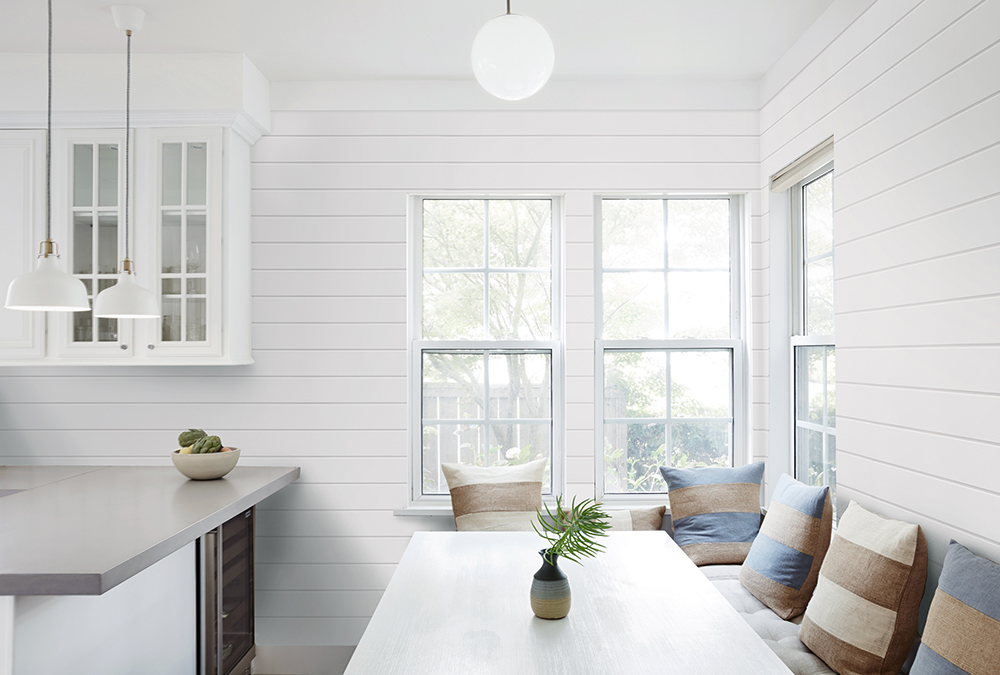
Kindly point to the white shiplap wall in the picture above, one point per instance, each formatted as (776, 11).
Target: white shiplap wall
(910, 89)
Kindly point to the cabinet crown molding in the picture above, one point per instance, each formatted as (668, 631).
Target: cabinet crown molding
(243, 124)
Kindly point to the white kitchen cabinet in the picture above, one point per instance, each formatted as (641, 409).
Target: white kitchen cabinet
(188, 238)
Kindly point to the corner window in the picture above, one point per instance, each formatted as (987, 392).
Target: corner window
(485, 351)
(669, 353)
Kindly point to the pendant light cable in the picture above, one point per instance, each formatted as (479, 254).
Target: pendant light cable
(48, 146)
(128, 129)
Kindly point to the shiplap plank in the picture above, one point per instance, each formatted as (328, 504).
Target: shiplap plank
(334, 283)
(329, 550)
(969, 369)
(965, 275)
(962, 322)
(329, 310)
(344, 363)
(366, 468)
(327, 203)
(513, 123)
(29, 416)
(358, 229)
(343, 256)
(316, 603)
(329, 336)
(340, 497)
(110, 389)
(496, 149)
(311, 631)
(961, 229)
(968, 416)
(353, 524)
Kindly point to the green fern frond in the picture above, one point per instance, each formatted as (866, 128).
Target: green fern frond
(573, 535)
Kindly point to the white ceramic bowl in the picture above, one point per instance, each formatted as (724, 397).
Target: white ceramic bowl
(207, 466)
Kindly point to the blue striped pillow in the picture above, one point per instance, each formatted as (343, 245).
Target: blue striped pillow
(783, 564)
(962, 635)
(715, 511)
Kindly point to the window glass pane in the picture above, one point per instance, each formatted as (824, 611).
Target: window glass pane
(633, 305)
(171, 177)
(453, 443)
(453, 386)
(698, 233)
(170, 324)
(810, 461)
(701, 443)
(831, 387)
(632, 233)
(512, 444)
(817, 200)
(520, 306)
(107, 243)
(633, 455)
(453, 233)
(699, 305)
(171, 235)
(171, 286)
(196, 249)
(520, 386)
(107, 171)
(635, 384)
(700, 384)
(452, 306)
(196, 320)
(196, 286)
(197, 176)
(520, 233)
(819, 297)
(83, 175)
(830, 465)
(809, 384)
(83, 243)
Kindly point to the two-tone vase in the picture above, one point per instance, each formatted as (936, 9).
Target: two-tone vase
(550, 594)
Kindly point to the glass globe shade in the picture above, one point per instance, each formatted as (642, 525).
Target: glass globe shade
(512, 57)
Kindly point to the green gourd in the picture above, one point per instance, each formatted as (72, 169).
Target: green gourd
(206, 445)
(190, 437)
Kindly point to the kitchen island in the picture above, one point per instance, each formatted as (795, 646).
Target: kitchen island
(122, 535)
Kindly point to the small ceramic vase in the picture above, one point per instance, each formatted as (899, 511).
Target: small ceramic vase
(550, 594)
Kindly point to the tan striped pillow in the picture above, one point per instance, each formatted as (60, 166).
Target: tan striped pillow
(862, 618)
(495, 498)
(650, 518)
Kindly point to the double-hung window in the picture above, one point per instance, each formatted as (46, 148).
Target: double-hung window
(485, 325)
(813, 342)
(669, 354)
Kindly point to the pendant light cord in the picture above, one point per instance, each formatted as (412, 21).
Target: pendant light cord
(48, 142)
(508, 6)
(128, 95)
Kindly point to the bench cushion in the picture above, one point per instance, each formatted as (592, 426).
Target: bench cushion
(783, 564)
(715, 511)
(963, 623)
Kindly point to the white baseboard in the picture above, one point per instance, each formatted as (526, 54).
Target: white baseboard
(293, 660)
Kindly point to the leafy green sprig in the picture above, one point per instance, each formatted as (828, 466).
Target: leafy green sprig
(573, 535)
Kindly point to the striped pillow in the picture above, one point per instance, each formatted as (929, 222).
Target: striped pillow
(637, 519)
(862, 618)
(784, 560)
(495, 498)
(715, 511)
(962, 634)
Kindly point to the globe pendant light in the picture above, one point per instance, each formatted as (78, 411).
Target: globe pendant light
(512, 56)
(127, 299)
(47, 288)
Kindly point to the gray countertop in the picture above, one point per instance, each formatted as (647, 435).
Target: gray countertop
(83, 530)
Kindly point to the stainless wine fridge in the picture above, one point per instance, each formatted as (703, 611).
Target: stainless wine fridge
(225, 580)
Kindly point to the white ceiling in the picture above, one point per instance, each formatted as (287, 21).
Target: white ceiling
(431, 39)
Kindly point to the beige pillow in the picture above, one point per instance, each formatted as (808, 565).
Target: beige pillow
(862, 618)
(637, 519)
(502, 498)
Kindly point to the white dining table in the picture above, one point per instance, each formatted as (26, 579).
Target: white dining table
(458, 604)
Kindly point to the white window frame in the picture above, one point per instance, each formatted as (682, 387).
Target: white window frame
(799, 296)
(555, 346)
(735, 344)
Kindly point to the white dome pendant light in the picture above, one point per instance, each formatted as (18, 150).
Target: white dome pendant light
(512, 56)
(47, 288)
(127, 299)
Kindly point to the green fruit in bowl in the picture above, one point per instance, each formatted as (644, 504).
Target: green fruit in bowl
(190, 437)
(207, 444)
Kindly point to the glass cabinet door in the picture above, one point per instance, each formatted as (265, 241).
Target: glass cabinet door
(184, 242)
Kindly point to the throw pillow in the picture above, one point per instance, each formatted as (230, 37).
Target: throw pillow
(784, 560)
(495, 498)
(715, 511)
(962, 634)
(637, 519)
(862, 618)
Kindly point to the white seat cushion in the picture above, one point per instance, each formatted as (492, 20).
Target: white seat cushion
(780, 635)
